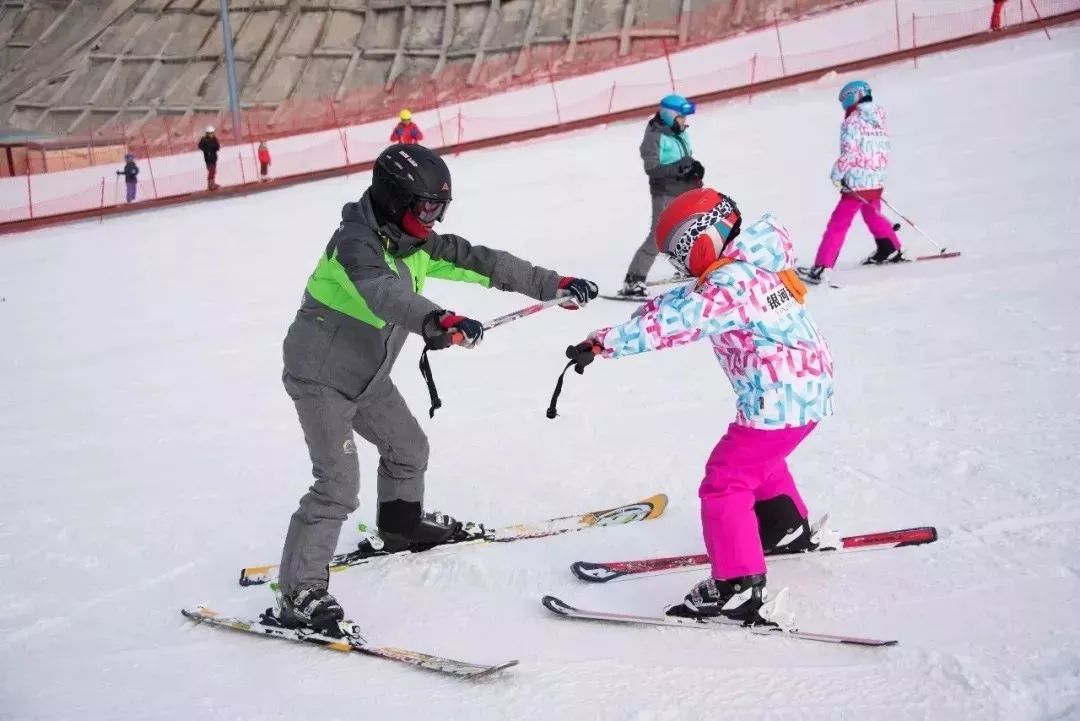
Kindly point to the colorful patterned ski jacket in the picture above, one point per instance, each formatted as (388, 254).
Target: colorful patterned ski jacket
(864, 149)
(776, 359)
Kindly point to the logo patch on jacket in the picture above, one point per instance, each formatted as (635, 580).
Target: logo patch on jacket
(780, 300)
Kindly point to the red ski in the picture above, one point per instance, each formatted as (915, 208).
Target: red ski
(619, 570)
(940, 256)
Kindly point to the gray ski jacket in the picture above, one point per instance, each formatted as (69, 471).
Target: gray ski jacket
(365, 296)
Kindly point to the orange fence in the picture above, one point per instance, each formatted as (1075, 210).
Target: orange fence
(170, 168)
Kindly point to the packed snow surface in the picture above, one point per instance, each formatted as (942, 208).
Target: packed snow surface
(148, 450)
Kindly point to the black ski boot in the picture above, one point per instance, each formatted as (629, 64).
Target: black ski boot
(404, 527)
(886, 253)
(633, 287)
(310, 605)
(781, 527)
(739, 599)
(814, 275)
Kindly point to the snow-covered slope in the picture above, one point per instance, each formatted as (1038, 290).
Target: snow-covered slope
(148, 451)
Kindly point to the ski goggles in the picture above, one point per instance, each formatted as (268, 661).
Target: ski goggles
(428, 211)
(679, 107)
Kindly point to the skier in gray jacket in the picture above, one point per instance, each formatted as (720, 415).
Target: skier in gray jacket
(360, 304)
(670, 166)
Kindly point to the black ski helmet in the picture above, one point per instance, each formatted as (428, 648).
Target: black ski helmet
(406, 176)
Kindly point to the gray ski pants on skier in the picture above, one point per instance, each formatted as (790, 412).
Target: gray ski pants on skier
(328, 420)
(646, 254)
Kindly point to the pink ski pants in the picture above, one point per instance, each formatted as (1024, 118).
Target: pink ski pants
(747, 465)
(840, 220)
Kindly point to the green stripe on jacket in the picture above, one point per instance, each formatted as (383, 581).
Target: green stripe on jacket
(330, 283)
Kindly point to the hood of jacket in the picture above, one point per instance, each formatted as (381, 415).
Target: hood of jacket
(765, 244)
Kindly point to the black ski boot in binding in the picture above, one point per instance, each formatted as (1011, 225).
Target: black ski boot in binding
(633, 287)
(404, 526)
(739, 599)
(310, 605)
(886, 253)
(782, 528)
(814, 275)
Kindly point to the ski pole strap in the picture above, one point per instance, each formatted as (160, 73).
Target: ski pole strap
(552, 411)
(433, 393)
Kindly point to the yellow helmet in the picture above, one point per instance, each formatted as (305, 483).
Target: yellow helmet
(405, 116)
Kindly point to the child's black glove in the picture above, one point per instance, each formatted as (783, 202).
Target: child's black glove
(583, 354)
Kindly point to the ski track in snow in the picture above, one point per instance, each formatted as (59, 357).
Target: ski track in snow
(148, 451)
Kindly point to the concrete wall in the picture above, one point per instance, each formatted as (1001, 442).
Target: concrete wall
(69, 66)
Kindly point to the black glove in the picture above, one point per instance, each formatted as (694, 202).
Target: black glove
(581, 291)
(443, 328)
(690, 169)
(583, 354)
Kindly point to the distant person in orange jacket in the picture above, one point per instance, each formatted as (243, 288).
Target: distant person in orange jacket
(995, 16)
(264, 160)
(406, 132)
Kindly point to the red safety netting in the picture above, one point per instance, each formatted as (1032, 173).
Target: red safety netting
(309, 136)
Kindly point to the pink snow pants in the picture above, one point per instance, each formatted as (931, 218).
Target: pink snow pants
(747, 465)
(840, 220)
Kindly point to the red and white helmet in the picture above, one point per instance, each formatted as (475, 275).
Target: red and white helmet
(693, 231)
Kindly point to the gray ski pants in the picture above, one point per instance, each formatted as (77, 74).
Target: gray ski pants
(643, 259)
(328, 420)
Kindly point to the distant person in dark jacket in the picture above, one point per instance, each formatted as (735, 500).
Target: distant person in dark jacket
(264, 160)
(671, 169)
(406, 132)
(210, 146)
(131, 176)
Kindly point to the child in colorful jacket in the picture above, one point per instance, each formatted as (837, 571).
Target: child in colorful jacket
(859, 173)
(748, 302)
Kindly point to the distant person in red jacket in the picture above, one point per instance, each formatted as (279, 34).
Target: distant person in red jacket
(995, 16)
(264, 160)
(406, 132)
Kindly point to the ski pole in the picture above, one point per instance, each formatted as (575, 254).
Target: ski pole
(940, 249)
(896, 226)
(522, 313)
(845, 189)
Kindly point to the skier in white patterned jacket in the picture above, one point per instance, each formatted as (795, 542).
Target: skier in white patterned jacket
(749, 303)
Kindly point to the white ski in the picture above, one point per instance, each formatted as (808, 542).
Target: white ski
(773, 610)
(349, 641)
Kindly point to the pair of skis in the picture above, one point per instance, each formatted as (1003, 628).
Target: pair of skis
(775, 611)
(350, 640)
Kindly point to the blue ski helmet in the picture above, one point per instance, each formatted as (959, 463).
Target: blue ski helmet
(672, 106)
(854, 93)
